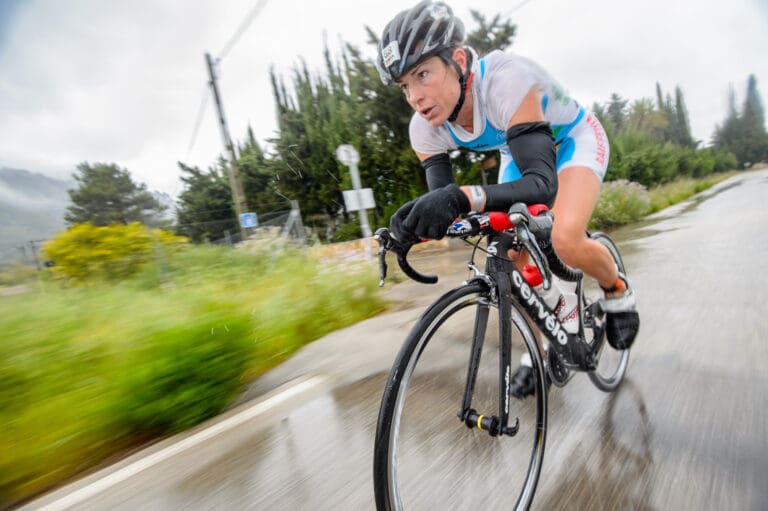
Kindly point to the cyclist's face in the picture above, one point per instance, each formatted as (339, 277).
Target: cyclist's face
(432, 89)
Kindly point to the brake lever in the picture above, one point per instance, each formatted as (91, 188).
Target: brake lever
(524, 235)
(384, 239)
(388, 243)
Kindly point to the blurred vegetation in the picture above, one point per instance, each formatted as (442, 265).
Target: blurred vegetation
(86, 254)
(88, 372)
(623, 202)
(668, 194)
(16, 273)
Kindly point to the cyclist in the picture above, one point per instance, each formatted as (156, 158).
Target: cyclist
(552, 150)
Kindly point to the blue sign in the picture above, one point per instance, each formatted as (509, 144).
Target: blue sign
(249, 220)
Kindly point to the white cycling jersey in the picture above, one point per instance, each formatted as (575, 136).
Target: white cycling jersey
(500, 82)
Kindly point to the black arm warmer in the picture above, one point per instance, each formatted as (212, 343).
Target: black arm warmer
(533, 150)
(438, 170)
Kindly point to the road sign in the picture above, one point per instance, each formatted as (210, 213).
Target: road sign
(248, 220)
(355, 200)
(347, 155)
(359, 199)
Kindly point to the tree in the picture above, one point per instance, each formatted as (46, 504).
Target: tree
(682, 134)
(743, 133)
(490, 35)
(643, 116)
(755, 147)
(107, 195)
(206, 211)
(616, 112)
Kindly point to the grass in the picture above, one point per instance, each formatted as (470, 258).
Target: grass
(622, 202)
(87, 373)
(666, 195)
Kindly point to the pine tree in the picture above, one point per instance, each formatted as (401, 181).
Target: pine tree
(490, 35)
(743, 133)
(682, 135)
(106, 195)
(616, 112)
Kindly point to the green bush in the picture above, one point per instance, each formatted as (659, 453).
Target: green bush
(347, 231)
(724, 159)
(174, 378)
(620, 202)
(638, 156)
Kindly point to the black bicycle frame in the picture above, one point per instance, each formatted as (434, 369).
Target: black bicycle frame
(498, 270)
(510, 284)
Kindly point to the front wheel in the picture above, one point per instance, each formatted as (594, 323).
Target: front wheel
(425, 457)
(611, 363)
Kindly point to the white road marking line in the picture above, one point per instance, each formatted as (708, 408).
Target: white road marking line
(93, 489)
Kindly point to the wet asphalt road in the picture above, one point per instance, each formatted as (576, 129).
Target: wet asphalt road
(687, 430)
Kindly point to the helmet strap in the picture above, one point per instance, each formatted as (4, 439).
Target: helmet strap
(463, 81)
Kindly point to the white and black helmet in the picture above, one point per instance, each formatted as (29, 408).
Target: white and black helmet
(428, 29)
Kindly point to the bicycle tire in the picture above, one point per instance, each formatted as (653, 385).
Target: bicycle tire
(398, 484)
(611, 363)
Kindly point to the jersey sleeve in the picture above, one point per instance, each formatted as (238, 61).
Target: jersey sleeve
(426, 139)
(509, 79)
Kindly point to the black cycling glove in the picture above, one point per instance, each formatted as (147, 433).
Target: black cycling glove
(429, 216)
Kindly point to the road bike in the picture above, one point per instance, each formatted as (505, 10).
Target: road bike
(448, 429)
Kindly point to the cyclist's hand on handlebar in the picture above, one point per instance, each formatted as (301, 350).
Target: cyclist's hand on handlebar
(429, 216)
(396, 224)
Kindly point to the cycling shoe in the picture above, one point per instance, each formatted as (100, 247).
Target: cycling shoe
(522, 383)
(622, 321)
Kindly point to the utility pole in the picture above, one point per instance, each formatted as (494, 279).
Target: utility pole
(236, 187)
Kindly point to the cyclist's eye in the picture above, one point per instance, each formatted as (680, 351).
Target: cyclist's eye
(404, 88)
(423, 75)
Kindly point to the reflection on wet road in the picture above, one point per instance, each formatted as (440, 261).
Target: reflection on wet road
(687, 430)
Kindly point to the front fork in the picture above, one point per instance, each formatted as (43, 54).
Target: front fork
(494, 425)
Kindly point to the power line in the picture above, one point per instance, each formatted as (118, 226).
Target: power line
(198, 121)
(241, 29)
(227, 48)
(518, 6)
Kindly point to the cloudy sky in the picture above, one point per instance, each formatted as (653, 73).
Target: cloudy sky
(123, 82)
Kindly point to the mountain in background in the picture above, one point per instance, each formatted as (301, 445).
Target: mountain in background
(32, 208)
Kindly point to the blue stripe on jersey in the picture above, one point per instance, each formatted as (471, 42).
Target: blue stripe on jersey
(491, 138)
(511, 173)
(565, 151)
(561, 131)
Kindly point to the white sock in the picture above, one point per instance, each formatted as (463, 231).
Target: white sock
(525, 360)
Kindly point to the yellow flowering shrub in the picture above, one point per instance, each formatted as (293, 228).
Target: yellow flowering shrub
(86, 254)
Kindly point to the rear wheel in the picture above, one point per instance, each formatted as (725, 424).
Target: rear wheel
(425, 457)
(611, 363)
